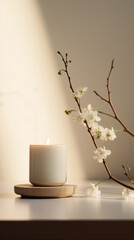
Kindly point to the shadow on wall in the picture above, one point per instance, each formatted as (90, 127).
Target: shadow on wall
(32, 101)
(93, 33)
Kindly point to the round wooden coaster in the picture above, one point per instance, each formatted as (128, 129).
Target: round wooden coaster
(28, 190)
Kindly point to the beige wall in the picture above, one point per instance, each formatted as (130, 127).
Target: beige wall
(33, 97)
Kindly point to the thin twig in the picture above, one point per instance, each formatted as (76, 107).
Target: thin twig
(108, 81)
(69, 78)
(102, 98)
(88, 128)
(89, 131)
(110, 115)
(127, 174)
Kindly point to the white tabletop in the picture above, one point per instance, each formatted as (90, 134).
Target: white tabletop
(111, 206)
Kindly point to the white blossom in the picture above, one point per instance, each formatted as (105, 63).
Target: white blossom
(101, 153)
(128, 193)
(79, 92)
(82, 116)
(93, 125)
(93, 116)
(108, 134)
(97, 130)
(93, 191)
(79, 117)
(89, 115)
(89, 107)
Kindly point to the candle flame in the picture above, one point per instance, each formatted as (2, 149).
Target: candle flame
(47, 142)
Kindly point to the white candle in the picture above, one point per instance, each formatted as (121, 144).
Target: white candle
(48, 165)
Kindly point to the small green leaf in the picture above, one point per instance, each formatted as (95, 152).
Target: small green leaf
(59, 72)
(68, 112)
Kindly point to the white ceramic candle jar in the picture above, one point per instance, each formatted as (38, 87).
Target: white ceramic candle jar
(48, 165)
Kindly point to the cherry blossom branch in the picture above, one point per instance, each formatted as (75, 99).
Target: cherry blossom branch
(109, 101)
(65, 61)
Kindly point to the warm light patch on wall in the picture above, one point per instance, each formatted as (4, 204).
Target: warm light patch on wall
(31, 99)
